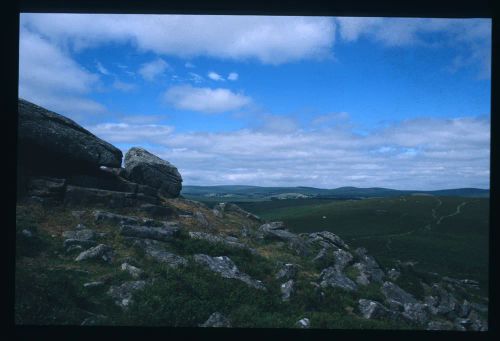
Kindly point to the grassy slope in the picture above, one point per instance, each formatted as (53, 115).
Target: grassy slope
(49, 283)
(399, 228)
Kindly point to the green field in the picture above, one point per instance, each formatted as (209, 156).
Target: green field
(448, 235)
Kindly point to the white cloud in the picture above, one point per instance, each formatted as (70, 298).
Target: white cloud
(102, 69)
(51, 78)
(205, 100)
(196, 78)
(233, 76)
(123, 86)
(150, 71)
(215, 76)
(468, 39)
(131, 133)
(271, 40)
(416, 154)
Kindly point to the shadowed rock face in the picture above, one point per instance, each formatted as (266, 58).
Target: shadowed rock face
(147, 169)
(50, 143)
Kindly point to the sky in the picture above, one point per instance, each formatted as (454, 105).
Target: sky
(324, 102)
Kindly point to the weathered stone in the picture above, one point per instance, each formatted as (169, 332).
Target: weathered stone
(158, 211)
(416, 312)
(327, 239)
(228, 241)
(342, 259)
(230, 207)
(224, 266)
(332, 277)
(477, 323)
(101, 179)
(147, 169)
(370, 266)
(287, 289)
(45, 187)
(201, 219)
(287, 272)
(74, 248)
(217, 320)
(154, 249)
(82, 196)
(372, 309)
(303, 323)
(465, 309)
(394, 292)
(100, 251)
(132, 270)
(123, 293)
(276, 231)
(50, 143)
(447, 302)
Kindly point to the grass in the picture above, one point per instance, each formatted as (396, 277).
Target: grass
(395, 228)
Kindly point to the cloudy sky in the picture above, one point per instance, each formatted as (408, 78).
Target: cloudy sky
(274, 101)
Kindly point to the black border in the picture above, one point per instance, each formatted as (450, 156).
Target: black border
(385, 8)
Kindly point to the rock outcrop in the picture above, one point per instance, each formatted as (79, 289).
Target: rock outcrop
(147, 169)
(53, 144)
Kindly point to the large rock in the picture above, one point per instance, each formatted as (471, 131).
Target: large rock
(287, 272)
(122, 294)
(83, 196)
(393, 292)
(332, 277)
(370, 267)
(49, 143)
(327, 239)
(147, 169)
(287, 289)
(100, 251)
(372, 309)
(224, 266)
(228, 241)
(155, 250)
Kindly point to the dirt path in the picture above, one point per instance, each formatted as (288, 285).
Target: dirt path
(453, 214)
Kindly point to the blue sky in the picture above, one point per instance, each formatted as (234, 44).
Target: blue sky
(288, 101)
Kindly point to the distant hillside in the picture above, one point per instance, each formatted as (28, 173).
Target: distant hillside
(237, 192)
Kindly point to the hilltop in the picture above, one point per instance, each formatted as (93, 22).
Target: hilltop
(97, 244)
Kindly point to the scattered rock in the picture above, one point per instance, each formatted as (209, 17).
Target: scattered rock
(132, 270)
(228, 241)
(372, 309)
(287, 289)
(416, 312)
(147, 169)
(145, 232)
(287, 272)
(331, 276)
(100, 251)
(217, 320)
(370, 267)
(123, 293)
(342, 259)
(227, 269)
(303, 323)
(363, 278)
(154, 249)
(327, 239)
(80, 227)
(393, 292)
